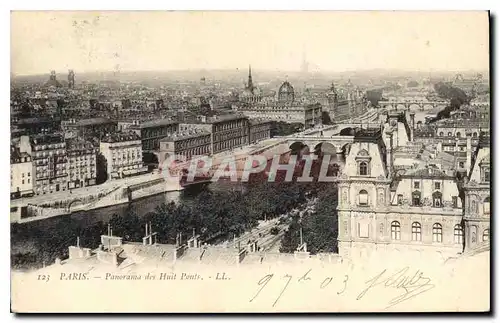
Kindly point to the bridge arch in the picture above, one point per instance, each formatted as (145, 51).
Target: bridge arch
(415, 106)
(349, 131)
(75, 202)
(299, 148)
(325, 148)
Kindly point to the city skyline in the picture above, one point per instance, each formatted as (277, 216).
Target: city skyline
(113, 41)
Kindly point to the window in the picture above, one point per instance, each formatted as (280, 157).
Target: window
(454, 200)
(363, 230)
(461, 164)
(486, 173)
(400, 199)
(29, 174)
(458, 233)
(416, 231)
(437, 199)
(437, 185)
(450, 134)
(363, 169)
(459, 135)
(395, 230)
(474, 134)
(416, 185)
(23, 181)
(363, 197)
(437, 233)
(22, 175)
(335, 169)
(474, 208)
(441, 134)
(486, 205)
(486, 235)
(416, 198)
(28, 180)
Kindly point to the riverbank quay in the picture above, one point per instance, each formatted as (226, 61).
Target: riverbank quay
(87, 198)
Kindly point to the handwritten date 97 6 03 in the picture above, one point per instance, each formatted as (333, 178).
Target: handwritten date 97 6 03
(410, 283)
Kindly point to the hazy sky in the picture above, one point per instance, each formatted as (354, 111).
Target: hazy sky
(332, 41)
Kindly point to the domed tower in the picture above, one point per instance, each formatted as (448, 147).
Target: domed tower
(286, 92)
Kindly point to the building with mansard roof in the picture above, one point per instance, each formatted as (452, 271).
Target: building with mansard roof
(477, 196)
(345, 103)
(415, 209)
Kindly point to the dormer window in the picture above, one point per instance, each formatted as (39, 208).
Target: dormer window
(485, 169)
(486, 175)
(363, 159)
(363, 169)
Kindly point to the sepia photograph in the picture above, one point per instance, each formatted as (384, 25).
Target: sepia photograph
(250, 161)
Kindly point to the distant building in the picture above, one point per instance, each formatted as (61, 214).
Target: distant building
(152, 131)
(285, 107)
(49, 157)
(187, 144)
(37, 125)
(21, 173)
(228, 131)
(53, 82)
(345, 103)
(88, 128)
(71, 79)
(259, 130)
(123, 154)
(81, 162)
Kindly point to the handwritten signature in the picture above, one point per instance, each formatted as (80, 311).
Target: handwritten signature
(412, 285)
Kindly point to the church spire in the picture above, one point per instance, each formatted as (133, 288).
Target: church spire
(332, 88)
(250, 82)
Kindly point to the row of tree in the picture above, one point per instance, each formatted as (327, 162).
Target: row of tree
(456, 96)
(215, 215)
(319, 228)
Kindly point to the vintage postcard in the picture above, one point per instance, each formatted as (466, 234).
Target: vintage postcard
(229, 162)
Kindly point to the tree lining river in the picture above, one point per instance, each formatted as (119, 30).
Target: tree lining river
(27, 238)
(220, 210)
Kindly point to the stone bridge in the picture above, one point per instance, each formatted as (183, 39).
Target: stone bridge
(413, 105)
(336, 144)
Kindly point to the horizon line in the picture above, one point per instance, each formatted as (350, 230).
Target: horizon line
(265, 70)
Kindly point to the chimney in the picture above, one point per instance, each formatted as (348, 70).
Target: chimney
(439, 147)
(388, 134)
(412, 125)
(150, 233)
(469, 152)
(25, 145)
